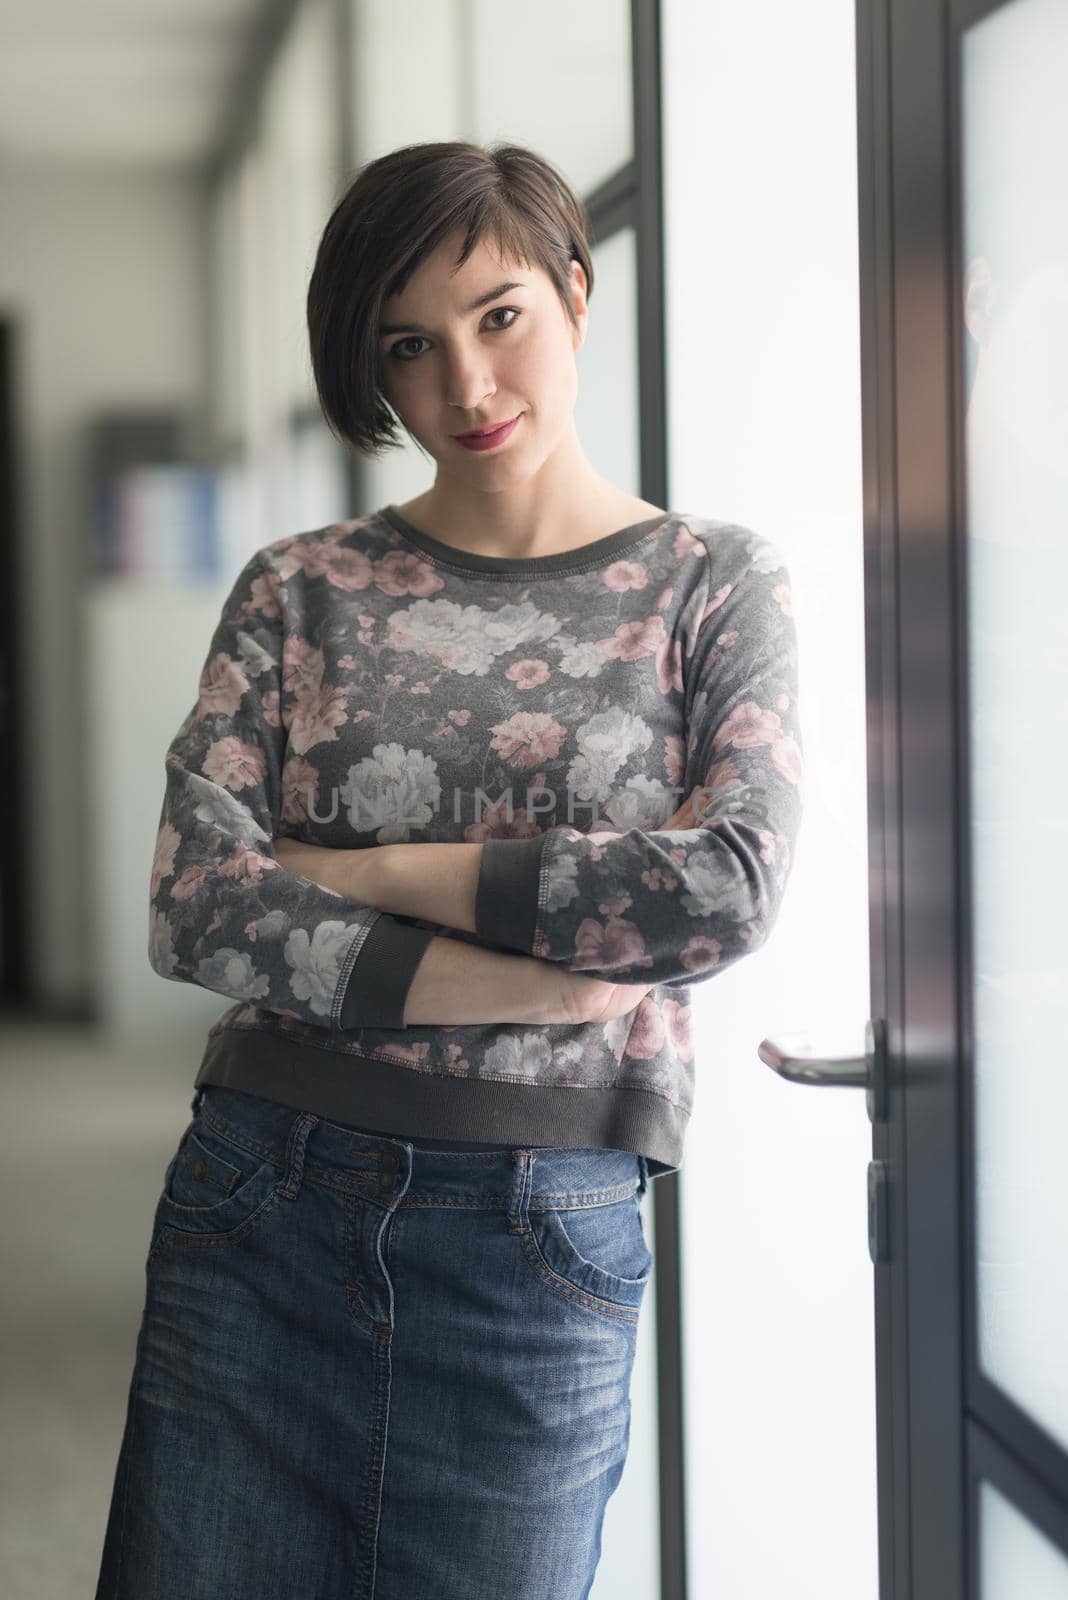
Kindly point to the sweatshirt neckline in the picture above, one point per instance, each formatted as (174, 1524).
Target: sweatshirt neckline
(582, 558)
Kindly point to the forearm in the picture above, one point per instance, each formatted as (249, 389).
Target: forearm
(457, 982)
(434, 882)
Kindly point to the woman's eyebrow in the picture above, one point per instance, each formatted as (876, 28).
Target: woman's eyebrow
(483, 299)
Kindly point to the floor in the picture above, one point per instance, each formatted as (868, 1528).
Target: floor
(89, 1126)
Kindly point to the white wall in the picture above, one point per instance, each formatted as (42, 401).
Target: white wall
(104, 270)
(764, 429)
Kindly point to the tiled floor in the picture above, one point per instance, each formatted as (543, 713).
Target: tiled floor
(88, 1129)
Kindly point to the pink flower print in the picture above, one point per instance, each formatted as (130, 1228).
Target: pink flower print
(748, 725)
(400, 572)
(633, 640)
(669, 667)
(302, 665)
(348, 569)
(348, 662)
(300, 557)
(769, 845)
(528, 674)
(625, 575)
(783, 593)
(646, 1037)
(685, 544)
(678, 1022)
(247, 866)
(674, 758)
(497, 824)
(300, 789)
(316, 716)
(185, 887)
(715, 601)
(167, 841)
(234, 764)
(419, 688)
(726, 640)
(786, 756)
(263, 597)
(461, 718)
(698, 810)
(700, 952)
(272, 712)
(407, 1052)
(528, 738)
(614, 944)
(222, 683)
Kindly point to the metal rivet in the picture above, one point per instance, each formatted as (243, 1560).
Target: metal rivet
(198, 1169)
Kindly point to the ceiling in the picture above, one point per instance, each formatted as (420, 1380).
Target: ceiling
(131, 82)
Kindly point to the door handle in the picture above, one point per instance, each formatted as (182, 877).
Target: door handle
(867, 1072)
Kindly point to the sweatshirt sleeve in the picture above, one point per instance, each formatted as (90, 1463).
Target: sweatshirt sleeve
(223, 911)
(675, 905)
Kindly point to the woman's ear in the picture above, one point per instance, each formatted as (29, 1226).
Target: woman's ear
(578, 305)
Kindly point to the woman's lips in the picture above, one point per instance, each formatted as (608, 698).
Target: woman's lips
(488, 441)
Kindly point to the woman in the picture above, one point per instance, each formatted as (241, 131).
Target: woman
(398, 1259)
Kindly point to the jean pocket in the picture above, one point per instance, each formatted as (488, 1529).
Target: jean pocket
(599, 1253)
(214, 1189)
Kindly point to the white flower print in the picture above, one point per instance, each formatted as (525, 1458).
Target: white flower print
(161, 944)
(231, 972)
(316, 963)
(585, 660)
(220, 809)
(527, 1056)
(605, 743)
(467, 639)
(391, 791)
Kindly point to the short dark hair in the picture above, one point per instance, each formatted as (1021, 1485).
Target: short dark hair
(394, 213)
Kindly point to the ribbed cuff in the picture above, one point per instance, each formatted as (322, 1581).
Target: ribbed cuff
(378, 985)
(506, 895)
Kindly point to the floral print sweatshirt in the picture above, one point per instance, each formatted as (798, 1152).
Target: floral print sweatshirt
(616, 724)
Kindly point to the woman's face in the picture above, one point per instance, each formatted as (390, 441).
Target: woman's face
(451, 365)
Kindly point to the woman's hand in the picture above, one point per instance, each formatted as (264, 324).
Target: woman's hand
(583, 999)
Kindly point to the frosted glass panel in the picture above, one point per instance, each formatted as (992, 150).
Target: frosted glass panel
(572, 100)
(606, 412)
(1015, 258)
(1015, 1558)
(302, 161)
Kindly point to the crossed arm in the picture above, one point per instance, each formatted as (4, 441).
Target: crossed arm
(455, 979)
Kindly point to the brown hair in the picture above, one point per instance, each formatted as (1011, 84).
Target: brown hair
(395, 212)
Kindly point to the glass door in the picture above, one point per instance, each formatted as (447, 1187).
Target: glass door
(963, 121)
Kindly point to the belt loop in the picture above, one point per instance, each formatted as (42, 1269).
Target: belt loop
(643, 1175)
(194, 1104)
(517, 1204)
(298, 1138)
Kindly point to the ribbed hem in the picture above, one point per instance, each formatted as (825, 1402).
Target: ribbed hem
(358, 1089)
(506, 895)
(377, 990)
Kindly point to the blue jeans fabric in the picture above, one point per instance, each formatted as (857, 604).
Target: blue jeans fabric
(372, 1371)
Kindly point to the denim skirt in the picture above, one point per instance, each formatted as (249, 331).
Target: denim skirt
(368, 1370)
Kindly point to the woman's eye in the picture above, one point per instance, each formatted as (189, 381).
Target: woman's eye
(396, 350)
